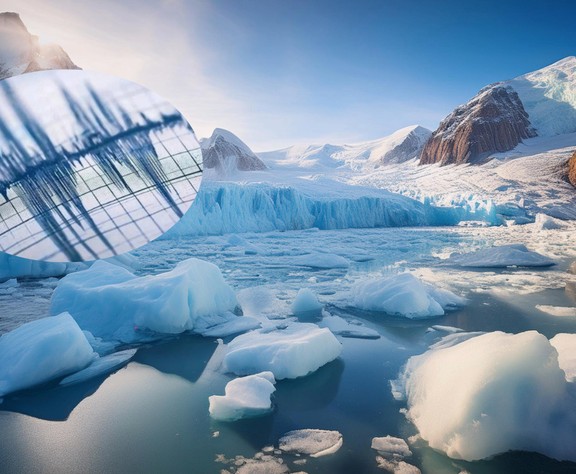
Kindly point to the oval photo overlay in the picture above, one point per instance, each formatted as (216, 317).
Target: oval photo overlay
(91, 166)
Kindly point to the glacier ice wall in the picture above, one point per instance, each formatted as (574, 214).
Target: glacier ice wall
(227, 207)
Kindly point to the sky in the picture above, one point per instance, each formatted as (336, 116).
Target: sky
(283, 72)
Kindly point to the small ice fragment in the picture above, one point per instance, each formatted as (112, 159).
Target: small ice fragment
(312, 442)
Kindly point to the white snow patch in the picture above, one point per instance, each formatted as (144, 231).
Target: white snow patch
(296, 351)
(245, 397)
(42, 350)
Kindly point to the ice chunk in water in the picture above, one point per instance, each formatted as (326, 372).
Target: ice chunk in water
(296, 351)
(403, 295)
(245, 397)
(490, 394)
(42, 350)
(112, 303)
(314, 443)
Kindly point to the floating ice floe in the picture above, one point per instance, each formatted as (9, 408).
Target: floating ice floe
(312, 442)
(42, 350)
(320, 260)
(306, 302)
(18, 267)
(112, 303)
(561, 311)
(295, 351)
(391, 454)
(404, 295)
(565, 344)
(514, 255)
(100, 366)
(341, 327)
(391, 446)
(245, 397)
(493, 393)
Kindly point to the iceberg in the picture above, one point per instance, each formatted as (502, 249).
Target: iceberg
(113, 303)
(295, 351)
(306, 302)
(403, 295)
(514, 255)
(41, 351)
(490, 394)
(245, 397)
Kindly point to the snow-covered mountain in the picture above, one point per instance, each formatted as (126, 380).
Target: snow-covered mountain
(402, 145)
(540, 103)
(226, 153)
(21, 52)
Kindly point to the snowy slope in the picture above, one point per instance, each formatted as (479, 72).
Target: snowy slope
(549, 97)
(402, 145)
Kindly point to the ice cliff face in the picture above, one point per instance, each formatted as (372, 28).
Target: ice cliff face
(493, 121)
(21, 52)
(226, 153)
(540, 103)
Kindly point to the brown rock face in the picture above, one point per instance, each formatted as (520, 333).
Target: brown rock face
(493, 121)
(20, 52)
(572, 170)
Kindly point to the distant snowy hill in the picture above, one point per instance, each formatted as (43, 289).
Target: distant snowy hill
(226, 153)
(502, 115)
(21, 52)
(402, 145)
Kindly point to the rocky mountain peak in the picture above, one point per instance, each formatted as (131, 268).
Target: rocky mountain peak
(226, 153)
(21, 52)
(493, 121)
(572, 170)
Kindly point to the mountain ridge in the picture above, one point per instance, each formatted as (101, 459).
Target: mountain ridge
(21, 52)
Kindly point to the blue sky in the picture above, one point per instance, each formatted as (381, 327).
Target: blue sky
(280, 72)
